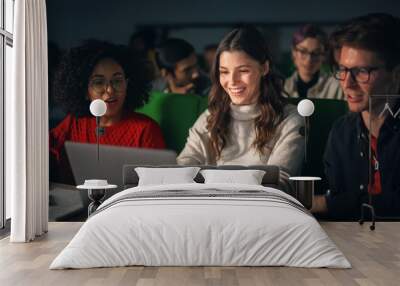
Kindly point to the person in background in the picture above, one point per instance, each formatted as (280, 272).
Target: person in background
(142, 44)
(177, 62)
(333, 50)
(209, 56)
(100, 70)
(369, 64)
(248, 121)
(309, 47)
(143, 41)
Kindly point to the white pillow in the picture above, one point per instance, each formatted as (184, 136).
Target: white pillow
(163, 176)
(249, 177)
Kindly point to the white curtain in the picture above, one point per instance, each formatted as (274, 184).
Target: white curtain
(27, 124)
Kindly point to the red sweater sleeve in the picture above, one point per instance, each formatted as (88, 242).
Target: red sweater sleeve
(58, 136)
(152, 136)
(59, 167)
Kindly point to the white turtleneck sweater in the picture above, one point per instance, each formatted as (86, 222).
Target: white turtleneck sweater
(285, 149)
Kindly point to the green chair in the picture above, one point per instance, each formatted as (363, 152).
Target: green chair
(203, 104)
(175, 113)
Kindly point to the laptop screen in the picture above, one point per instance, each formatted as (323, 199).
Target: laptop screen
(85, 164)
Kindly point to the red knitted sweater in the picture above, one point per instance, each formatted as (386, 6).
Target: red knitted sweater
(134, 130)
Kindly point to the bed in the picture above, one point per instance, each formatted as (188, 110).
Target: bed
(201, 224)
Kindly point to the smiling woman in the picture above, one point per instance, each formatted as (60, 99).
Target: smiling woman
(108, 82)
(248, 121)
(100, 70)
(240, 76)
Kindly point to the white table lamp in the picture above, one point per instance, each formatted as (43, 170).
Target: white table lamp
(306, 108)
(96, 188)
(98, 108)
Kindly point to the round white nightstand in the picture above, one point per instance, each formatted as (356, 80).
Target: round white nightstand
(304, 188)
(96, 192)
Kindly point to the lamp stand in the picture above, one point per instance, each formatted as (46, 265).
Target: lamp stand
(99, 132)
(306, 131)
(98, 136)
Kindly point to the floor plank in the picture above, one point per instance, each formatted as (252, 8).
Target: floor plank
(374, 255)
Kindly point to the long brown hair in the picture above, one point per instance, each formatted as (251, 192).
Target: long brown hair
(271, 102)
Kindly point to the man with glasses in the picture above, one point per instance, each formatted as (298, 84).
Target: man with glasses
(368, 67)
(177, 62)
(309, 46)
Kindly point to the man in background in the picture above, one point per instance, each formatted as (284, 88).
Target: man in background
(177, 62)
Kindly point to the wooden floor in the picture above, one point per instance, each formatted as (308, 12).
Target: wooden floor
(374, 255)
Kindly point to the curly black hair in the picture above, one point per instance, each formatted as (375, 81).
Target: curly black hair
(72, 77)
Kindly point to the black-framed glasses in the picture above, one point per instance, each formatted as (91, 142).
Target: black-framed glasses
(99, 85)
(305, 53)
(358, 74)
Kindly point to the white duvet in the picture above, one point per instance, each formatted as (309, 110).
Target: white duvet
(206, 230)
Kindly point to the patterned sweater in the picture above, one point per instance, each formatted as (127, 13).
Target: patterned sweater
(285, 149)
(134, 130)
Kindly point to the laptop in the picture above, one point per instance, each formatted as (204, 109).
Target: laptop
(85, 164)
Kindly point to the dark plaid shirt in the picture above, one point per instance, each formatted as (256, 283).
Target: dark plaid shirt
(347, 162)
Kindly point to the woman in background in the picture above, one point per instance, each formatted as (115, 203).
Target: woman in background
(100, 70)
(248, 121)
(309, 48)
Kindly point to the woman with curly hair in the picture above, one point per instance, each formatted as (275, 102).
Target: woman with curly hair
(100, 70)
(248, 121)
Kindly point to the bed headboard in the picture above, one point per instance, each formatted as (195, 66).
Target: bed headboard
(270, 179)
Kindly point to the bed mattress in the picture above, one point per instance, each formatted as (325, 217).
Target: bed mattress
(201, 225)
